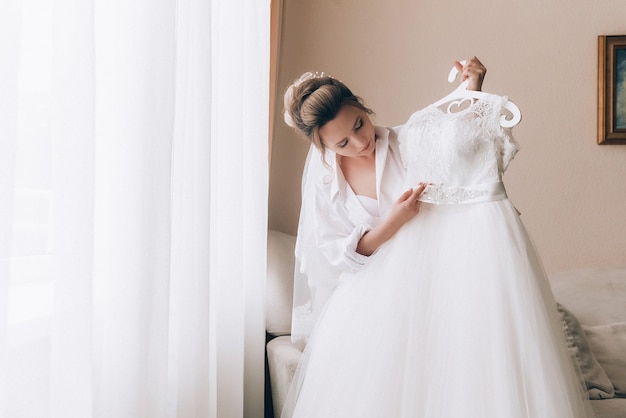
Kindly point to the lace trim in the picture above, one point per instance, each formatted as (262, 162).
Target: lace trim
(443, 194)
(438, 193)
(470, 144)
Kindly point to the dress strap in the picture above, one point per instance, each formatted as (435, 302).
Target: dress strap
(441, 194)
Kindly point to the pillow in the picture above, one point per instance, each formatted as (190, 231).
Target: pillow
(279, 282)
(608, 343)
(598, 384)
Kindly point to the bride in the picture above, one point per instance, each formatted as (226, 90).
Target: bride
(430, 305)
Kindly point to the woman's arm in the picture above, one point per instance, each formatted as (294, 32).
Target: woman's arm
(403, 210)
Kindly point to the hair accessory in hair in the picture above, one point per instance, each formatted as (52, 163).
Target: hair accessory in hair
(289, 93)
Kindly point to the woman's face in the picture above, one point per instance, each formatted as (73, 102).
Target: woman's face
(350, 133)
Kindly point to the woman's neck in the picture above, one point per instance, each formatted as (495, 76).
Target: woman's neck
(360, 174)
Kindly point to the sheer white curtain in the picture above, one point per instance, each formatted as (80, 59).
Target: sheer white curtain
(133, 181)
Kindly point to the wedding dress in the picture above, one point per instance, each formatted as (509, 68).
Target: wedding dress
(453, 317)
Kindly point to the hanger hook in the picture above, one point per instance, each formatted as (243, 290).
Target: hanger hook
(454, 71)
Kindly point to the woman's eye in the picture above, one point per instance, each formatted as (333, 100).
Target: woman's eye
(359, 125)
(343, 144)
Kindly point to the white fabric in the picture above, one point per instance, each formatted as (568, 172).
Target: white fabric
(369, 204)
(132, 270)
(452, 317)
(332, 221)
(479, 147)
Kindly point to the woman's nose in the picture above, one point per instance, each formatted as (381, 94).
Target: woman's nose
(360, 140)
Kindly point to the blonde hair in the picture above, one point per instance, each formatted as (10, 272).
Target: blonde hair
(315, 99)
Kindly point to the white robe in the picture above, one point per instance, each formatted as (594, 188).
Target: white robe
(332, 221)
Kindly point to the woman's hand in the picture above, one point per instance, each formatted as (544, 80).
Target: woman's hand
(403, 210)
(406, 207)
(474, 71)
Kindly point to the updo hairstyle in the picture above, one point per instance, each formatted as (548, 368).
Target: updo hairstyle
(315, 99)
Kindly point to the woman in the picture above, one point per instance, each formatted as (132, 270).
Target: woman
(354, 175)
(442, 315)
(451, 314)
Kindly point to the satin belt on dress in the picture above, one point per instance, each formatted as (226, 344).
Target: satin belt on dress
(441, 194)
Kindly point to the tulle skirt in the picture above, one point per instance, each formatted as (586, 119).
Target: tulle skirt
(451, 318)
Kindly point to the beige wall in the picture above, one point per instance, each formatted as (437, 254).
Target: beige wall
(540, 53)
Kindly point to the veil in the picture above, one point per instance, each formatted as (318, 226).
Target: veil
(314, 277)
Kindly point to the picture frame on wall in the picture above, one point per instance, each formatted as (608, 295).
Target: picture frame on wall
(612, 89)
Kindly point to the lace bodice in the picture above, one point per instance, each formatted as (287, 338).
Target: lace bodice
(457, 149)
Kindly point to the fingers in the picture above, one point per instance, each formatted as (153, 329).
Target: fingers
(474, 70)
(411, 201)
(405, 196)
(414, 198)
(412, 194)
(407, 206)
(471, 63)
(417, 192)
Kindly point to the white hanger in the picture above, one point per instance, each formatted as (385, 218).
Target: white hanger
(462, 94)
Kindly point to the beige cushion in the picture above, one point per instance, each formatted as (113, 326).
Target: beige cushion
(609, 408)
(596, 296)
(283, 357)
(279, 284)
(608, 343)
(598, 384)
